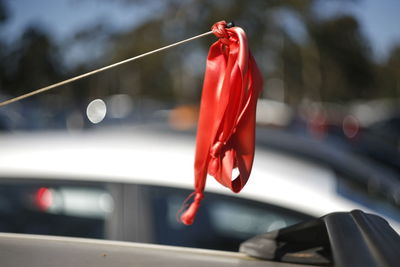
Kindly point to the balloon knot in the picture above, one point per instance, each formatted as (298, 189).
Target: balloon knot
(221, 31)
(188, 216)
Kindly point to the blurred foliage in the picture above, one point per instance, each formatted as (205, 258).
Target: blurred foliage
(33, 62)
(3, 12)
(332, 61)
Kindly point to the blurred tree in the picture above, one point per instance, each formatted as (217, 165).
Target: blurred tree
(148, 77)
(3, 18)
(176, 74)
(32, 63)
(332, 64)
(3, 12)
(315, 58)
(389, 75)
(347, 70)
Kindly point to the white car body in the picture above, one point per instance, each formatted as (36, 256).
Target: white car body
(155, 158)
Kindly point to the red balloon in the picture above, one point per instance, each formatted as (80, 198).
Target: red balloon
(226, 128)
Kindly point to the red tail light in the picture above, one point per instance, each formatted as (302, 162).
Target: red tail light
(44, 198)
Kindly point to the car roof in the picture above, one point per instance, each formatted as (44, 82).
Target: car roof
(137, 155)
(35, 250)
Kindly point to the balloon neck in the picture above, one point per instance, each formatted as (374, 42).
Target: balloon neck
(188, 216)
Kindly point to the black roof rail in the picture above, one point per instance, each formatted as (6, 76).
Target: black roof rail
(345, 239)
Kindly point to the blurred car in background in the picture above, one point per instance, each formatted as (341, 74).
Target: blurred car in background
(130, 184)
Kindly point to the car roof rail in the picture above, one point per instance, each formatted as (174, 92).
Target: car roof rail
(348, 239)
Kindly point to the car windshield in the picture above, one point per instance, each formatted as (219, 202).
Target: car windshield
(111, 156)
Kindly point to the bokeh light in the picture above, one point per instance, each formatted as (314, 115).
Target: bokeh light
(96, 111)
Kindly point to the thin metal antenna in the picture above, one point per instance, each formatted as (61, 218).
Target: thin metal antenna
(70, 80)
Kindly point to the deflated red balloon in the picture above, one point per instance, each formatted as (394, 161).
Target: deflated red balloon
(226, 129)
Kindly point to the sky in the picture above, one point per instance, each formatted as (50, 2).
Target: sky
(379, 20)
(64, 17)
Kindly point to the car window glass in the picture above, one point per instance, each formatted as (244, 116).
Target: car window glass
(54, 208)
(132, 212)
(223, 222)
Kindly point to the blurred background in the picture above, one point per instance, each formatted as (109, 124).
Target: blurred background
(330, 105)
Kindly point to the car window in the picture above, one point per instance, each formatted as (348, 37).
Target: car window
(133, 212)
(223, 222)
(54, 208)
